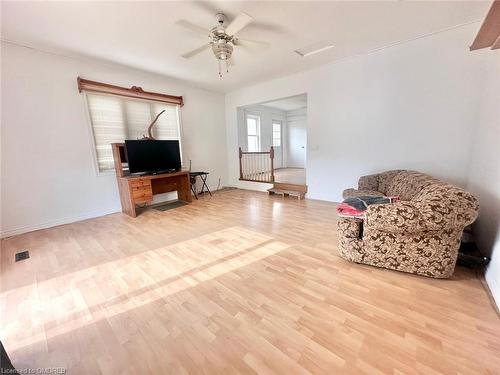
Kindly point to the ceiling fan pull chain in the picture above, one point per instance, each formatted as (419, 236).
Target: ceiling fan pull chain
(220, 73)
(227, 67)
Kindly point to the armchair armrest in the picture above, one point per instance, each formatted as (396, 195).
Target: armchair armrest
(350, 227)
(369, 182)
(397, 217)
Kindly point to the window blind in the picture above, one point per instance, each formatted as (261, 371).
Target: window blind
(115, 119)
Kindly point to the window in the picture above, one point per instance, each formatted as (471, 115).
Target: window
(253, 133)
(276, 133)
(116, 118)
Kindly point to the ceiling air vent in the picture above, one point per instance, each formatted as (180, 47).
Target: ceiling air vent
(313, 49)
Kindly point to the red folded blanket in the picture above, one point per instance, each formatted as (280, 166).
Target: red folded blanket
(356, 207)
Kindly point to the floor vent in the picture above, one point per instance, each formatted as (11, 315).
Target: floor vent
(22, 255)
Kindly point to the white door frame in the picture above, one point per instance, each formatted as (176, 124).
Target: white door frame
(280, 122)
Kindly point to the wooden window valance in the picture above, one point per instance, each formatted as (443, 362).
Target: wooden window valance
(133, 92)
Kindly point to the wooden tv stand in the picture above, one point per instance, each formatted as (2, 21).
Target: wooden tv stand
(136, 189)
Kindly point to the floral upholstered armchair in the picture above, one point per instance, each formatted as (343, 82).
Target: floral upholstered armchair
(420, 234)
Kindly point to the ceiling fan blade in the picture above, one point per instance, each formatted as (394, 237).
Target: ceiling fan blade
(196, 51)
(197, 29)
(238, 23)
(248, 42)
(207, 7)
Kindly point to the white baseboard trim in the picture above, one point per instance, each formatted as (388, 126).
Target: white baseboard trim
(256, 186)
(493, 285)
(213, 189)
(67, 220)
(53, 223)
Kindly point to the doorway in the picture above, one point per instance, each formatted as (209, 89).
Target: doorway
(282, 125)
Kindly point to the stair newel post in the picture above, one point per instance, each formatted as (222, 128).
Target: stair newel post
(241, 168)
(271, 155)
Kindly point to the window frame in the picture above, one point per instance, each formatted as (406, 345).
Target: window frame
(257, 135)
(92, 140)
(280, 123)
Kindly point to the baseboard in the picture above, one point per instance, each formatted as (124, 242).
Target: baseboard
(54, 223)
(213, 189)
(65, 220)
(494, 286)
(255, 186)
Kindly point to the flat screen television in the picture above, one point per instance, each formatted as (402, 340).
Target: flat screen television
(152, 156)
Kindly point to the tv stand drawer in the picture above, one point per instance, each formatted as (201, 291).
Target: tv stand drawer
(142, 196)
(141, 182)
(142, 191)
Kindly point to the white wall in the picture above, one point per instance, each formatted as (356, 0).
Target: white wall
(296, 139)
(484, 171)
(408, 106)
(48, 174)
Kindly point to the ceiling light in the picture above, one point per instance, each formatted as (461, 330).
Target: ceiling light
(222, 38)
(313, 49)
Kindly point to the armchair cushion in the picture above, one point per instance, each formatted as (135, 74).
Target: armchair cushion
(386, 178)
(408, 184)
(352, 193)
(398, 217)
(375, 185)
(446, 206)
(369, 182)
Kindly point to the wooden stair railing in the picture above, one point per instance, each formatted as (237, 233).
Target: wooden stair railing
(257, 166)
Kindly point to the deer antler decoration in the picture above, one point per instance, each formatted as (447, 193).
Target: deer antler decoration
(150, 128)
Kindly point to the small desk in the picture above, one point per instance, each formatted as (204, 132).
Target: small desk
(139, 189)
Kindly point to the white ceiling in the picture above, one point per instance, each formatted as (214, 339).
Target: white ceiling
(145, 35)
(288, 104)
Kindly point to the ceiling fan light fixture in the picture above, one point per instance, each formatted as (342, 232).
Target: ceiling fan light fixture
(222, 38)
(314, 49)
(222, 50)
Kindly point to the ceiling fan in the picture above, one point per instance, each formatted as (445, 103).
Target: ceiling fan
(223, 38)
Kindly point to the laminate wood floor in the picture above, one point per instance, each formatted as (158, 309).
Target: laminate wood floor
(238, 283)
(290, 176)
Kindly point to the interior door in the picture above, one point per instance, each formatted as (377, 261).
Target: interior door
(277, 143)
(297, 145)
